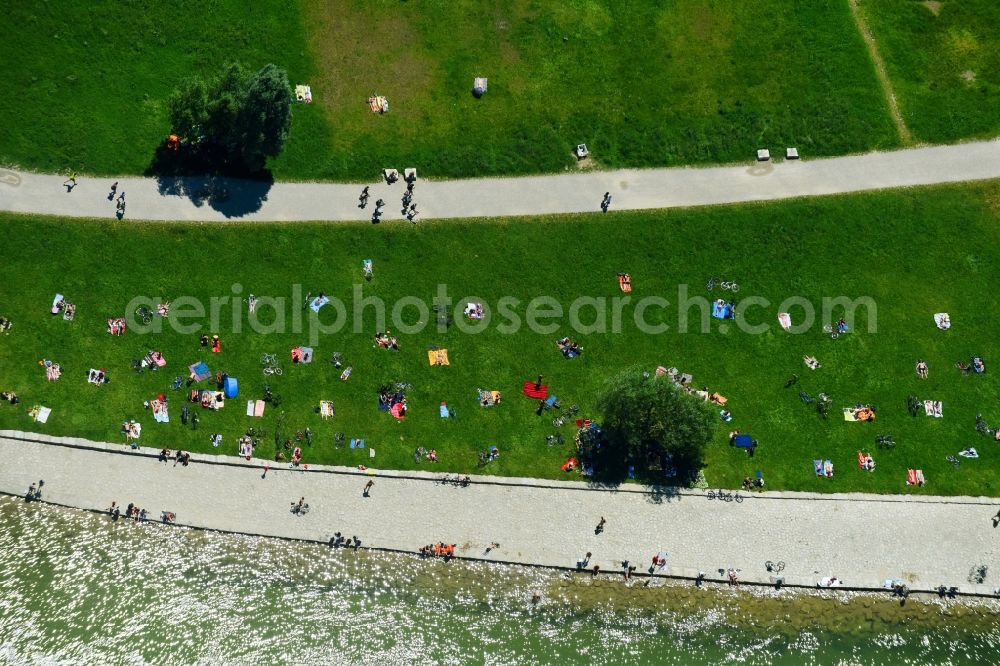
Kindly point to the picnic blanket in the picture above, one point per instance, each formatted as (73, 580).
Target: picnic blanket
(303, 94)
(914, 477)
(723, 310)
(823, 468)
(326, 408)
(95, 376)
(40, 414)
(346, 374)
(438, 357)
(743, 442)
(199, 371)
(319, 302)
(302, 355)
(444, 410)
(398, 410)
(933, 408)
(942, 320)
(55, 303)
(159, 409)
(536, 391)
(255, 408)
(489, 398)
(785, 320)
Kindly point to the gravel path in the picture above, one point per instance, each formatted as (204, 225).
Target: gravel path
(204, 200)
(862, 539)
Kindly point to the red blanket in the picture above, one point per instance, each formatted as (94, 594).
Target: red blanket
(533, 390)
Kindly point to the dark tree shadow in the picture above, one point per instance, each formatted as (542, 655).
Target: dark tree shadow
(204, 176)
(611, 470)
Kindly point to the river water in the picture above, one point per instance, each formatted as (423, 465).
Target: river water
(77, 588)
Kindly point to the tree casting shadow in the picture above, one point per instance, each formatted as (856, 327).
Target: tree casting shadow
(205, 178)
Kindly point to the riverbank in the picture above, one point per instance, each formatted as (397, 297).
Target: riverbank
(857, 538)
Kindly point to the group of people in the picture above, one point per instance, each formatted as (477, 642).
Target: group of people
(64, 307)
(182, 457)
(131, 511)
(441, 549)
(386, 341)
(338, 541)
(569, 348)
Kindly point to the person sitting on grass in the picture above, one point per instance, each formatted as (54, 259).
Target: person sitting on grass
(5, 324)
(432, 455)
(10, 397)
(569, 348)
(977, 364)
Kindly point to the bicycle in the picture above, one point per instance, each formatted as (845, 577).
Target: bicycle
(885, 441)
(143, 314)
(774, 567)
(272, 370)
(268, 359)
(724, 284)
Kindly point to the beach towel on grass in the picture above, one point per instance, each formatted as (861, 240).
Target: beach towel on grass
(438, 357)
(942, 320)
(200, 371)
(326, 408)
(41, 414)
(246, 450)
(161, 416)
(625, 282)
(536, 391)
(55, 303)
(303, 93)
(319, 302)
(933, 408)
(785, 320)
(444, 410)
(849, 414)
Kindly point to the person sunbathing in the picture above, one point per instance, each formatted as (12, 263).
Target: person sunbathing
(811, 362)
(921, 369)
(432, 455)
(70, 311)
(163, 309)
(978, 365)
(297, 456)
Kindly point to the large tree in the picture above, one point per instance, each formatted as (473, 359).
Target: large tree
(648, 419)
(243, 115)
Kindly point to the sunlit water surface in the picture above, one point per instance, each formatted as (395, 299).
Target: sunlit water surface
(75, 587)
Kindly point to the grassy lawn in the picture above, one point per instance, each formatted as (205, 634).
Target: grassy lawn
(944, 62)
(642, 83)
(915, 253)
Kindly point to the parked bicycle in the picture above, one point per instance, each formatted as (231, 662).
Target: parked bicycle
(725, 496)
(724, 284)
(143, 314)
(774, 567)
(270, 363)
(885, 441)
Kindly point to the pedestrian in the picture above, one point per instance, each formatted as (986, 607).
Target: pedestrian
(600, 526)
(363, 199)
(411, 216)
(379, 204)
(71, 181)
(492, 546)
(266, 467)
(606, 202)
(597, 569)
(409, 186)
(357, 543)
(111, 509)
(368, 487)
(114, 187)
(996, 519)
(413, 209)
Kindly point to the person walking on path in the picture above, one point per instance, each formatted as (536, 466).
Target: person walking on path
(600, 526)
(70, 182)
(368, 487)
(606, 202)
(114, 188)
(363, 199)
(996, 519)
(491, 547)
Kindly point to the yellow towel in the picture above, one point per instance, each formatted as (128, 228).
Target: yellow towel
(438, 357)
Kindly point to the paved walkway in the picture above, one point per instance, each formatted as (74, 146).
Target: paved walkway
(862, 539)
(205, 200)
